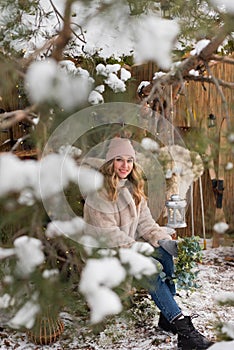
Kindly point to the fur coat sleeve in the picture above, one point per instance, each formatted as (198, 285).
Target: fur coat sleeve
(148, 229)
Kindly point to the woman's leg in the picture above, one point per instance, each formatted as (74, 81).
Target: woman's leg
(162, 290)
(163, 296)
(167, 262)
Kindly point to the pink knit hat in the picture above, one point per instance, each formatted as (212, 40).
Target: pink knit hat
(120, 147)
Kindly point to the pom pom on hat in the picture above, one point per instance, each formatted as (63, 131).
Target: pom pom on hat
(120, 147)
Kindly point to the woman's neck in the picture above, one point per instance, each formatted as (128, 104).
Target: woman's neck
(122, 182)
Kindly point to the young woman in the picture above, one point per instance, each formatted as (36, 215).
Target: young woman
(118, 216)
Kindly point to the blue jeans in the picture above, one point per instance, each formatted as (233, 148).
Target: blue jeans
(162, 290)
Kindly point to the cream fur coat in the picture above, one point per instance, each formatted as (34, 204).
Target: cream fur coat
(120, 223)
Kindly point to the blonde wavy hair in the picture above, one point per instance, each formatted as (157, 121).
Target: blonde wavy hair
(111, 181)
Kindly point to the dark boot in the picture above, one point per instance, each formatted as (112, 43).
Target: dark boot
(188, 337)
(165, 325)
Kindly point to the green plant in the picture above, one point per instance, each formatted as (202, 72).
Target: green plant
(189, 254)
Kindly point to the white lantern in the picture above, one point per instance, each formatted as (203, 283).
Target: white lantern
(176, 211)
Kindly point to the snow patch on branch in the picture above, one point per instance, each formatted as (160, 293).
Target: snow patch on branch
(25, 317)
(29, 254)
(221, 227)
(110, 71)
(139, 265)
(46, 81)
(149, 144)
(69, 228)
(97, 279)
(154, 40)
(95, 98)
(224, 5)
(47, 177)
(199, 47)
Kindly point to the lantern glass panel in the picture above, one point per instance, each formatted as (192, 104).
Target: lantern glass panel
(176, 212)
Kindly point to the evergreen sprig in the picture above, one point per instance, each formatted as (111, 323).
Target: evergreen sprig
(189, 254)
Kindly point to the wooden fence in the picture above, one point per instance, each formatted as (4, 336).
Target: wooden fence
(191, 112)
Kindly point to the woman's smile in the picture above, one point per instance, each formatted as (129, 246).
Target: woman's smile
(123, 166)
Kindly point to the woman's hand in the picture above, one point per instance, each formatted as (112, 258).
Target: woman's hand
(169, 245)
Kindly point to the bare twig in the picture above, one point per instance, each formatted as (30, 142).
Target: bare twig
(65, 34)
(9, 119)
(57, 13)
(81, 37)
(209, 80)
(21, 139)
(223, 59)
(48, 44)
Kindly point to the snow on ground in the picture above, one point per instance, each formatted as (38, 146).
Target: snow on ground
(140, 332)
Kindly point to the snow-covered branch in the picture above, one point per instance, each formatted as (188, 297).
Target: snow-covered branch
(201, 56)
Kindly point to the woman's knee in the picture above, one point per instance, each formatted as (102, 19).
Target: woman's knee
(163, 255)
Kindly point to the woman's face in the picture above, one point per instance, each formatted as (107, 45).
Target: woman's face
(123, 166)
